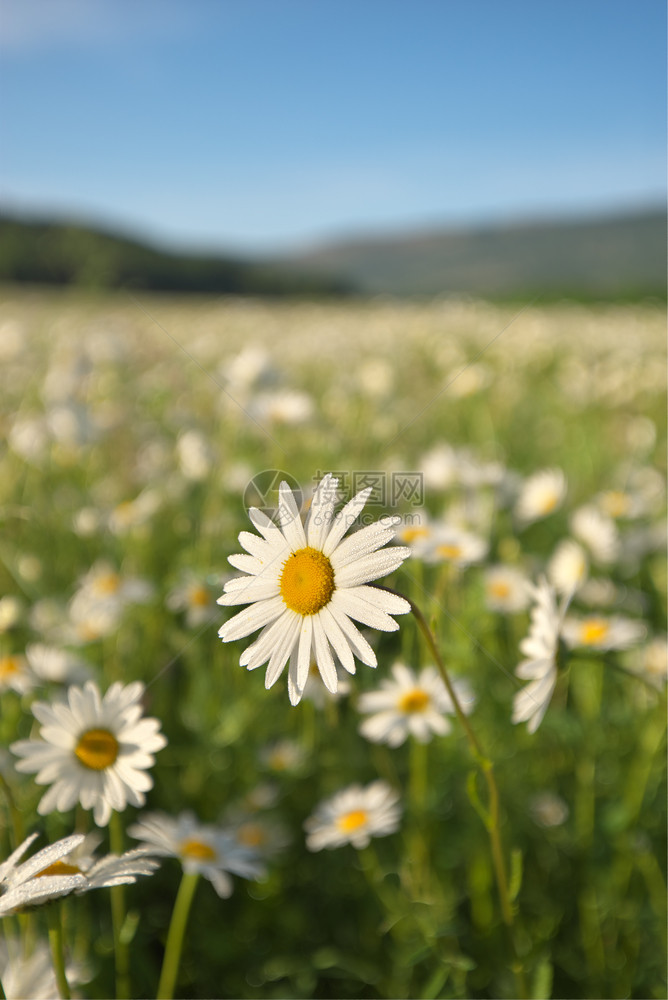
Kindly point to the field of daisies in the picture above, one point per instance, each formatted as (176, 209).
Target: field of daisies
(332, 649)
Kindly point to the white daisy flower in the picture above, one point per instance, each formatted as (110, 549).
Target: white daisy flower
(28, 884)
(651, 661)
(92, 750)
(41, 664)
(548, 809)
(597, 531)
(265, 837)
(101, 873)
(284, 755)
(439, 467)
(103, 583)
(193, 597)
(202, 849)
(130, 514)
(598, 632)
(96, 608)
(15, 673)
(410, 705)
(64, 867)
(33, 975)
(306, 582)
(416, 536)
(195, 455)
(568, 567)
(600, 592)
(316, 692)
(353, 816)
(506, 589)
(452, 544)
(56, 666)
(540, 648)
(620, 504)
(284, 406)
(11, 612)
(540, 495)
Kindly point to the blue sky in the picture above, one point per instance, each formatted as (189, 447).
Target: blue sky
(262, 125)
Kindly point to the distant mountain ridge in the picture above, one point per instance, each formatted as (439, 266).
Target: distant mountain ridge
(57, 253)
(614, 256)
(611, 257)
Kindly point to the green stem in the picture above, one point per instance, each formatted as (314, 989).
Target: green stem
(417, 794)
(121, 950)
(17, 819)
(177, 926)
(57, 950)
(487, 768)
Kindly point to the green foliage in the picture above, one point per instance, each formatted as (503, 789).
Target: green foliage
(66, 254)
(415, 914)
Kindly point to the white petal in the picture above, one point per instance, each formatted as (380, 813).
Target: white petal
(360, 646)
(263, 646)
(266, 527)
(282, 650)
(351, 604)
(304, 654)
(337, 639)
(246, 590)
(250, 619)
(345, 519)
(323, 656)
(371, 567)
(321, 512)
(247, 564)
(366, 540)
(290, 520)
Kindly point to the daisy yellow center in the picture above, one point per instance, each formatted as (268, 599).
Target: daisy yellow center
(416, 700)
(106, 584)
(499, 588)
(196, 850)
(547, 503)
(593, 631)
(353, 820)
(251, 835)
(198, 597)
(449, 551)
(307, 581)
(412, 534)
(97, 749)
(616, 503)
(9, 665)
(87, 631)
(59, 868)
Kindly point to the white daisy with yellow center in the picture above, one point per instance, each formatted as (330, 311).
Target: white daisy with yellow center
(410, 704)
(506, 589)
(452, 544)
(64, 867)
(540, 648)
(93, 750)
(353, 816)
(306, 584)
(202, 849)
(541, 494)
(14, 673)
(600, 632)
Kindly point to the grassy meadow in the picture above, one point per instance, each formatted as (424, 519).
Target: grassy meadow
(132, 428)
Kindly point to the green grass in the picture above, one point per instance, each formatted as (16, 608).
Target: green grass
(417, 913)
